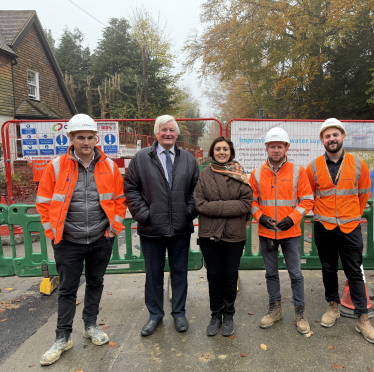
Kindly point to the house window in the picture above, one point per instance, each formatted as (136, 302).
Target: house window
(33, 82)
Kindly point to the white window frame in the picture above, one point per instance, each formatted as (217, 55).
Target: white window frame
(35, 97)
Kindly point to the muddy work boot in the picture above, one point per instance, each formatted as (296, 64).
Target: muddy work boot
(274, 314)
(330, 316)
(62, 343)
(363, 326)
(301, 321)
(97, 336)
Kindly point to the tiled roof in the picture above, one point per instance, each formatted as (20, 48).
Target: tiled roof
(37, 109)
(12, 22)
(4, 46)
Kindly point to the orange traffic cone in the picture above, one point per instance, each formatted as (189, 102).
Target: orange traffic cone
(346, 299)
(3, 200)
(310, 235)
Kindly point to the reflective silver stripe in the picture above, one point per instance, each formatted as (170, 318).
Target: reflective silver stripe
(280, 203)
(59, 197)
(47, 226)
(306, 197)
(111, 163)
(119, 196)
(42, 199)
(301, 210)
(107, 196)
(364, 191)
(358, 169)
(118, 219)
(255, 198)
(114, 230)
(257, 178)
(254, 210)
(54, 232)
(341, 192)
(56, 166)
(340, 221)
(313, 166)
(295, 182)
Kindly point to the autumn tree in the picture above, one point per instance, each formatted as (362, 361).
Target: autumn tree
(279, 47)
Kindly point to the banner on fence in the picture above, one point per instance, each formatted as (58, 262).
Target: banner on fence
(46, 140)
(248, 138)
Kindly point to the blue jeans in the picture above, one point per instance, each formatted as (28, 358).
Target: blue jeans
(292, 255)
(154, 251)
(69, 263)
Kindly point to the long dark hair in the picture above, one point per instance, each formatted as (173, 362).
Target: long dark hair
(220, 139)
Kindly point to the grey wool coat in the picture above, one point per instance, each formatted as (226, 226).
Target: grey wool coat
(222, 206)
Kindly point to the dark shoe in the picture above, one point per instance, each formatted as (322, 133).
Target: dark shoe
(214, 325)
(62, 343)
(150, 327)
(227, 327)
(181, 324)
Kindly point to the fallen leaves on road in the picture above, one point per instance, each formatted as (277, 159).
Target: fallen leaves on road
(3, 320)
(81, 370)
(32, 365)
(24, 298)
(258, 283)
(312, 289)
(232, 337)
(330, 347)
(112, 344)
(263, 347)
(201, 276)
(109, 293)
(78, 302)
(15, 300)
(337, 366)
(309, 334)
(370, 369)
(104, 328)
(101, 324)
(250, 313)
(317, 320)
(8, 289)
(243, 355)
(32, 309)
(2, 310)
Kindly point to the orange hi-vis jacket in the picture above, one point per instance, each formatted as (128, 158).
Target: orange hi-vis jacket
(282, 194)
(37, 167)
(341, 204)
(56, 188)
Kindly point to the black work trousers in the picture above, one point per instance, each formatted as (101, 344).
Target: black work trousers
(331, 245)
(222, 261)
(69, 262)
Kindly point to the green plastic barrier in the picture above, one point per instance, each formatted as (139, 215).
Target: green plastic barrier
(6, 263)
(309, 261)
(30, 264)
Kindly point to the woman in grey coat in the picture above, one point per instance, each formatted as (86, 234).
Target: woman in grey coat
(223, 199)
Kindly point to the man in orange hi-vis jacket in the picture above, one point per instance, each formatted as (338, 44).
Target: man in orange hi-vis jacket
(341, 184)
(82, 207)
(281, 197)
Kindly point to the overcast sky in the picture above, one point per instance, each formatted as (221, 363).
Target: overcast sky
(181, 17)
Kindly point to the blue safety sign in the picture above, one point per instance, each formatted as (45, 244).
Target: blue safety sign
(61, 140)
(110, 139)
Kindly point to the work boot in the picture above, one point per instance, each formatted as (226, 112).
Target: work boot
(62, 343)
(301, 321)
(214, 324)
(97, 336)
(330, 316)
(363, 326)
(274, 313)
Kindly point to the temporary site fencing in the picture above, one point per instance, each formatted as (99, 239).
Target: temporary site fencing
(29, 145)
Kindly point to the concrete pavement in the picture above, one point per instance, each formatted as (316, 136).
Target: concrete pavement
(123, 314)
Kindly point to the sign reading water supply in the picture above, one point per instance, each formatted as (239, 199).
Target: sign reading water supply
(46, 140)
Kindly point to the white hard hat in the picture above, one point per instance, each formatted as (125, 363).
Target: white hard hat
(331, 123)
(81, 122)
(277, 134)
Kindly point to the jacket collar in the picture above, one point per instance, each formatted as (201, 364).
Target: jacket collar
(153, 151)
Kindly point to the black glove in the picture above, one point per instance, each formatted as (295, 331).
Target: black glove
(285, 224)
(267, 222)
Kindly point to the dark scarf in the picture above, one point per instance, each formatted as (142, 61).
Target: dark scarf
(231, 169)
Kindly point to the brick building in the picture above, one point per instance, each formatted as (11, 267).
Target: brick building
(31, 83)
